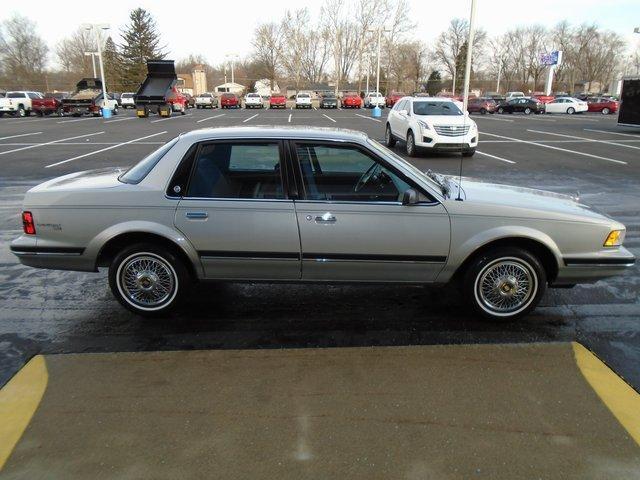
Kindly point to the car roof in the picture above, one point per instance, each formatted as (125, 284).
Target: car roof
(273, 131)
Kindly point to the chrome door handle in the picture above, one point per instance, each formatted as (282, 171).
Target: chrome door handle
(197, 215)
(326, 218)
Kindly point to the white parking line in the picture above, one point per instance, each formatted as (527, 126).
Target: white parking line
(171, 118)
(329, 118)
(612, 133)
(49, 143)
(368, 118)
(120, 120)
(247, 119)
(578, 117)
(104, 149)
(209, 118)
(79, 120)
(21, 135)
(556, 148)
(290, 117)
(496, 119)
(608, 142)
(494, 156)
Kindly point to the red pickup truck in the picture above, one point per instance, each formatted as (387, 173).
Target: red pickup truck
(48, 104)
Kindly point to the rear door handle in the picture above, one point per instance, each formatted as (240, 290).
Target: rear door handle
(197, 215)
(326, 218)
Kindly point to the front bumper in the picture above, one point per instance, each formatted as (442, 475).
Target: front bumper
(432, 140)
(593, 267)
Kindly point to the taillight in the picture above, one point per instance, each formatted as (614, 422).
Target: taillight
(28, 224)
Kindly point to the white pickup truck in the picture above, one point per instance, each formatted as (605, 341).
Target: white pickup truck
(206, 100)
(303, 100)
(18, 103)
(253, 100)
(374, 99)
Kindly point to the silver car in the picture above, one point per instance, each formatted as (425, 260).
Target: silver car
(310, 205)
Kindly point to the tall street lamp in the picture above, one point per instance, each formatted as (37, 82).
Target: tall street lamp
(233, 57)
(93, 60)
(97, 28)
(467, 68)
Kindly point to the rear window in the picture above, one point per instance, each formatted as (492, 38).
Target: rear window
(253, 95)
(205, 95)
(228, 95)
(303, 95)
(436, 108)
(15, 95)
(137, 173)
(127, 95)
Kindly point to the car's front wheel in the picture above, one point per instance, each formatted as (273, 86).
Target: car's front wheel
(389, 139)
(571, 110)
(411, 145)
(527, 111)
(148, 279)
(500, 110)
(605, 111)
(504, 283)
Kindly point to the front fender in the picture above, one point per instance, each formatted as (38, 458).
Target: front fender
(469, 246)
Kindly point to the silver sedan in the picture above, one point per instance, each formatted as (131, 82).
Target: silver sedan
(311, 205)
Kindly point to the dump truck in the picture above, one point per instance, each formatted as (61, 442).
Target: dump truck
(87, 99)
(158, 93)
(629, 108)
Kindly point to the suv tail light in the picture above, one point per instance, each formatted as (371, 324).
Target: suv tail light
(28, 224)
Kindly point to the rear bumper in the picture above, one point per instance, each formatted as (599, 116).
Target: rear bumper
(55, 258)
(591, 268)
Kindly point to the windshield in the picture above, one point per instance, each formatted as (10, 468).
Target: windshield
(415, 170)
(127, 95)
(303, 95)
(137, 173)
(436, 108)
(205, 95)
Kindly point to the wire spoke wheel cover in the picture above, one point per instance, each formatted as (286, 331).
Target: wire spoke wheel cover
(506, 286)
(147, 281)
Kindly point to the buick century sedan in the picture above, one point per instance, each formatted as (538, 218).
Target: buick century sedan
(311, 205)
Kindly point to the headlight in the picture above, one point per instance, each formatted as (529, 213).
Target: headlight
(614, 239)
(424, 125)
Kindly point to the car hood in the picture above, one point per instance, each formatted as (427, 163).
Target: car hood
(514, 201)
(445, 119)
(89, 179)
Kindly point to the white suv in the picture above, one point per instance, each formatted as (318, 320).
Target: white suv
(303, 100)
(436, 124)
(128, 100)
(374, 99)
(253, 100)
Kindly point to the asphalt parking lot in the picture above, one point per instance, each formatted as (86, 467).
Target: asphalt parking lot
(61, 312)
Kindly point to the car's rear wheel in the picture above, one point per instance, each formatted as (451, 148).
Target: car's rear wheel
(411, 145)
(504, 283)
(389, 139)
(605, 111)
(21, 112)
(527, 111)
(148, 279)
(483, 111)
(500, 110)
(571, 110)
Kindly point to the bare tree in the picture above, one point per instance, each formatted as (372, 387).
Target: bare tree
(449, 45)
(344, 39)
(267, 45)
(70, 52)
(22, 52)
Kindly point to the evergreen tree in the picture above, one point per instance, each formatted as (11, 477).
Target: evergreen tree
(113, 66)
(434, 83)
(141, 42)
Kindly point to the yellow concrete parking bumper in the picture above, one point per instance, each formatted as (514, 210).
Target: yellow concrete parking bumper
(435, 412)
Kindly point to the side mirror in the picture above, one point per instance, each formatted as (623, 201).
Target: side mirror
(410, 197)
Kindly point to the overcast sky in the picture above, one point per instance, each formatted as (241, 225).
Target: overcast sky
(197, 28)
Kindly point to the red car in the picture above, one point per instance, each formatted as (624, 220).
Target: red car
(351, 100)
(393, 97)
(48, 104)
(178, 101)
(278, 100)
(544, 98)
(228, 100)
(602, 105)
(482, 105)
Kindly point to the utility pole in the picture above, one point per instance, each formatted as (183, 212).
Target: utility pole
(96, 28)
(467, 69)
(380, 31)
(499, 73)
(233, 57)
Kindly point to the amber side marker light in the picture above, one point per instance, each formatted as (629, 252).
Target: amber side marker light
(614, 239)
(28, 224)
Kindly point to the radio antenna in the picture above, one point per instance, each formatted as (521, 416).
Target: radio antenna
(465, 93)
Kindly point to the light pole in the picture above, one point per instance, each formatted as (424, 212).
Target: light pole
(233, 57)
(499, 73)
(93, 61)
(376, 111)
(96, 28)
(467, 68)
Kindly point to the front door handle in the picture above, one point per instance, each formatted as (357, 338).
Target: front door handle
(326, 218)
(197, 215)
